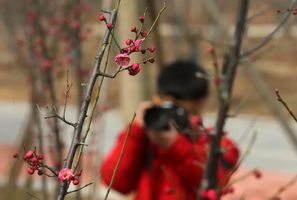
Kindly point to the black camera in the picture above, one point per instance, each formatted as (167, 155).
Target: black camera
(157, 118)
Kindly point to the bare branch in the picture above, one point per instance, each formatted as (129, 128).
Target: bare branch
(229, 71)
(269, 36)
(241, 103)
(115, 40)
(141, 25)
(120, 158)
(50, 169)
(243, 157)
(241, 178)
(68, 87)
(32, 195)
(80, 188)
(280, 99)
(84, 108)
(55, 115)
(257, 14)
(156, 20)
(284, 188)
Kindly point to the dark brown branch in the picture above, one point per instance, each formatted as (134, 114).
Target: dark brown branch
(229, 74)
(280, 99)
(84, 108)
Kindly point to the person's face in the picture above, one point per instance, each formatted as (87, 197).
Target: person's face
(194, 107)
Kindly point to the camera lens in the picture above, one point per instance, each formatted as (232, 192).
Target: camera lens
(157, 118)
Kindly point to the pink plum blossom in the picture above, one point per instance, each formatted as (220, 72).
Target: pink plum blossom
(122, 59)
(137, 45)
(65, 174)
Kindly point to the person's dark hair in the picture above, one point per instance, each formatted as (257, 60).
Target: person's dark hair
(183, 80)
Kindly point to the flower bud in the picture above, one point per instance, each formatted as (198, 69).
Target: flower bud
(75, 182)
(143, 33)
(40, 157)
(30, 170)
(152, 49)
(109, 25)
(29, 154)
(101, 18)
(128, 42)
(152, 60)
(134, 69)
(133, 29)
(141, 19)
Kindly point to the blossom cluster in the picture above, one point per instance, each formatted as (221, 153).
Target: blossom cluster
(132, 46)
(35, 162)
(67, 174)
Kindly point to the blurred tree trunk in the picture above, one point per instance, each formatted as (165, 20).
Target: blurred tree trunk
(16, 166)
(152, 14)
(215, 16)
(132, 89)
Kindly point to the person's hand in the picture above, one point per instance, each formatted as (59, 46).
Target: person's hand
(163, 139)
(140, 112)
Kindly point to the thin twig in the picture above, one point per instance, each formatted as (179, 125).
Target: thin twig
(68, 87)
(50, 169)
(141, 25)
(157, 18)
(269, 36)
(241, 178)
(280, 99)
(243, 157)
(241, 103)
(119, 159)
(284, 188)
(32, 195)
(55, 115)
(257, 14)
(214, 43)
(115, 40)
(80, 188)
(247, 130)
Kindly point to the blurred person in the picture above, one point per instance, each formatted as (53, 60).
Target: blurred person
(167, 148)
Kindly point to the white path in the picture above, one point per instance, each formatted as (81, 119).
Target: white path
(271, 151)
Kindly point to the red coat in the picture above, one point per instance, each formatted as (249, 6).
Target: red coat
(170, 174)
